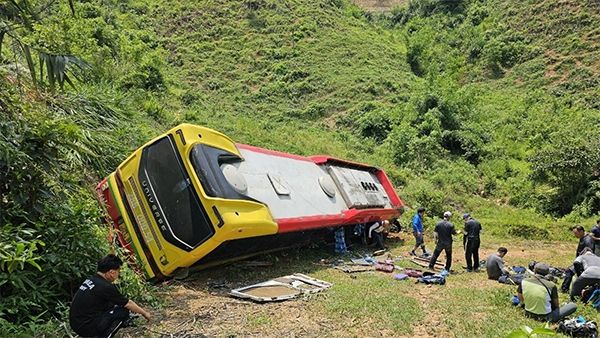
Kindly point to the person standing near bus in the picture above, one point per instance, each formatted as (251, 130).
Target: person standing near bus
(417, 224)
(472, 242)
(443, 232)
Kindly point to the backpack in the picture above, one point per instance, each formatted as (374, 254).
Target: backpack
(578, 328)
(435, 279)
(594, 299)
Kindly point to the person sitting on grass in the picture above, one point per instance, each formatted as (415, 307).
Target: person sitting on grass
(539, 297)
(494, 265)
(98, 308)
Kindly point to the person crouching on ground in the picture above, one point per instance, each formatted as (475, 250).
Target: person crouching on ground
(98, 308)
(539, 297)
(417, 223)
(587, 268)
(585, 241)
(443, 236)
(376, 233)
(494, 265)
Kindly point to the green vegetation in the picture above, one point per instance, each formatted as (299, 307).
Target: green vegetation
(488, 106)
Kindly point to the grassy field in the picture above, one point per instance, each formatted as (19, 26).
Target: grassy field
(366, 304)
(485, 106)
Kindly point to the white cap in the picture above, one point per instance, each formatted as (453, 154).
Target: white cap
(447, 214)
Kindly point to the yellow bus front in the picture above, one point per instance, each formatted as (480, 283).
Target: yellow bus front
(175, 204)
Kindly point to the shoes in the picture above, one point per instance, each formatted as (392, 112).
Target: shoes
(477, 270)
(412, 253)
(426, 254)
(130, 322)
(469, 270)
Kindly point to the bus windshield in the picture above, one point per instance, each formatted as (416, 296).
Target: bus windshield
(172, 199)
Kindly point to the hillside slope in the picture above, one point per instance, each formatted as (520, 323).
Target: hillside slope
(488, 106)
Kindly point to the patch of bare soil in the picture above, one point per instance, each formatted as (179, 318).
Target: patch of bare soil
(194, 312)
(379, 5)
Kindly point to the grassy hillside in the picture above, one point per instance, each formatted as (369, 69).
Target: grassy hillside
(488, 106)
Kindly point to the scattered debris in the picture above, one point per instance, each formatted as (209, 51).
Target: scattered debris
(282, 288)
(400, 276)
(384, 267)
(425, 264)
(255, 264)
(439, 279)
(366, 261)
(427, 260)
(378, 252)
(355, 268)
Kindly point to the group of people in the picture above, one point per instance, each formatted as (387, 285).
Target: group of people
(443, 235)
(536, 293)
(539, 295)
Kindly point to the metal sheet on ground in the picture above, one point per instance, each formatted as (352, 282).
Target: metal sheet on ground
(426, 265)
(426, 260)
(282, 288)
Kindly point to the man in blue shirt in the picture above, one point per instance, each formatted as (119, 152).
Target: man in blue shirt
(417, 223)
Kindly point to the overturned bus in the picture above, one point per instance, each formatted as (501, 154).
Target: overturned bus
(193, 197)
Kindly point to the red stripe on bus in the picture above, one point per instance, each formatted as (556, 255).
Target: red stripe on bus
(272, 152)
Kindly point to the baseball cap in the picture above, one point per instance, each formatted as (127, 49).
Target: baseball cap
(447, 214)
(541, 269)
(466, 215)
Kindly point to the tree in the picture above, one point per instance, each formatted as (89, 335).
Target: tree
(17, 19)
(571, 167)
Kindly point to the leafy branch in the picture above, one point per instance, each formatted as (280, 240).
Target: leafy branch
(18, 18)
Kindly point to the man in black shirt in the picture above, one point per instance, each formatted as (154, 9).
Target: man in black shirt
(585, 241)
(472, 242)
(98, 308)
(443, 234)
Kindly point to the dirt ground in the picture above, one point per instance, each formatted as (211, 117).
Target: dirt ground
(379, 5)
(200, 306)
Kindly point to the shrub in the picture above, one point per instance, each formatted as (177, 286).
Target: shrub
(528, 231)
(569, 165)
(375, 124)
(49, 239)
(422, 193)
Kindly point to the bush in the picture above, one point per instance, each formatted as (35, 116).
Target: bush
(528, 231)
(375, 124)
(49, 239)
(424, 194)
(148, 75)
(569, 165)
